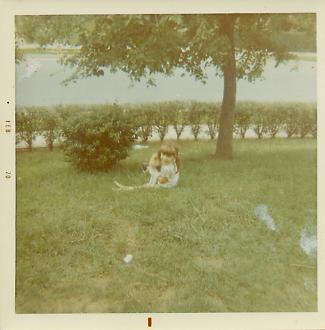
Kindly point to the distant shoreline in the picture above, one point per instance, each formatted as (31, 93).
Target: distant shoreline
(301, 56)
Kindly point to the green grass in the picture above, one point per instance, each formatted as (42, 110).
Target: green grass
(197, 247)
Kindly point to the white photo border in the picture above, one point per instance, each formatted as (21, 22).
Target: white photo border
(8, 319)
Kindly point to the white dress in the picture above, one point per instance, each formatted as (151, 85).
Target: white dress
(170, 172)
(154, 174)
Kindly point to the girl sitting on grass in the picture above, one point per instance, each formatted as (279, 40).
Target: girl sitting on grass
(163, 168)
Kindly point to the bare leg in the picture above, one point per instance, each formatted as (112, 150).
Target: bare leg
(129, 188)
(154, 174)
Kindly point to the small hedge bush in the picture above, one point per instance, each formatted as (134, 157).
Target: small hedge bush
(178, 116)
(259, 119)
(211, 118)
(274, 119)
(49, 121)
(143, 120)
(307, 120)
(195, 118)
(243, 118)
(161, 119)
(99, 139)
(28, 125)
(291, 122)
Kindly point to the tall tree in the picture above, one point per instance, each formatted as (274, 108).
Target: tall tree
(236, 45)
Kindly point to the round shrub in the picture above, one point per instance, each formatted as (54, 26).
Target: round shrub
(274, 118)
(28, 125)
(161, 119)
(306, 119)
(211, 118)
(143, 120)
(314, 125)
(259, 119)
(291, 120)
(178, 117)
(195, 117)
(98, 139)
(243, 118)
(49, 126)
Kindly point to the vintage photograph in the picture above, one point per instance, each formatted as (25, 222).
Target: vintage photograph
(166, 163)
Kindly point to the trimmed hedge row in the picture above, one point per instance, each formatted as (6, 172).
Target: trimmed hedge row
(295, 119)
(97, 137)
(266, 119)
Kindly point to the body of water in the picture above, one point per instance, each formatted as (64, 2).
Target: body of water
(39, 82)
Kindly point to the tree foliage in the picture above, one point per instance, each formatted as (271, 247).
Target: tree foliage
(142, 45)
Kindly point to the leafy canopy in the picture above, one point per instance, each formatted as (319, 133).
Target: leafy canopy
(143, 45)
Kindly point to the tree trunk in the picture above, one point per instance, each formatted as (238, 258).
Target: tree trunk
(224, 142)
(30, 144)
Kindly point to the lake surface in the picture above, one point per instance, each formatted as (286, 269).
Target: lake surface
(39, 82)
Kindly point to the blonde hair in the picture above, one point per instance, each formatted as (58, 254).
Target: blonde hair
(170, 150)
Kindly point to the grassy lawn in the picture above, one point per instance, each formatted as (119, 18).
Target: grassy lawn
(196, 248)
